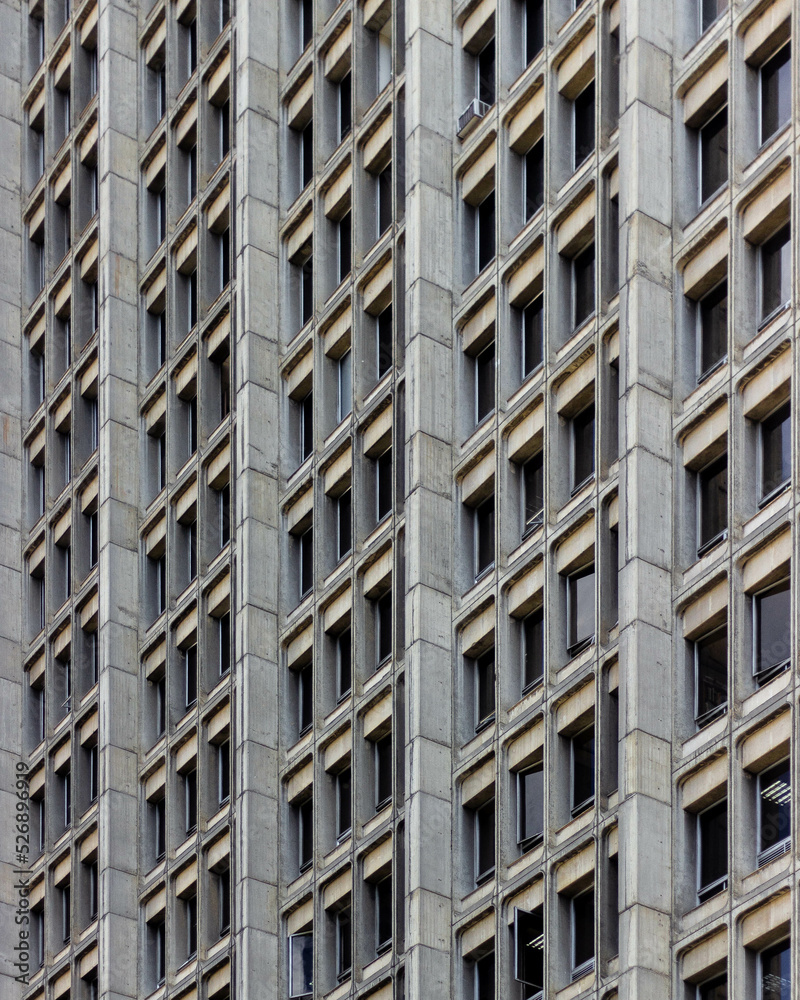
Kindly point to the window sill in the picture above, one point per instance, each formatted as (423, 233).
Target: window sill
(577, 648)
(770, 318)
(701, 721)
(765, 675)
(774, 494)
(712, 543)
(707, 892)
(711, 369)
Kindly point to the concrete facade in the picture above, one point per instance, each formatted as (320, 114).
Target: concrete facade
(398, 466)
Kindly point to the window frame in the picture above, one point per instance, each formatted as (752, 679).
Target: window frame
(577, 322)
(344, 804)
(537, 305)
(344, 524)
(526, 843)
(487, 356)
(578, 485)
(480, 663)
(537, 915)
(777, 947)
(703, 374)
(574, 649)
(580, 969)
(344, 927)
(345, 636)
(382, 604)
(383, 945)
(577, 808)
(764, 855)
(224, 773)
(344, 385)
(766, 674)
(531, 685)
(484, 876)
(766, 318)
(709, 716)
(382, 801)
(720, 536)
(720, 884)
(765, 140)
(766, 498)
(293, 987)
(485, 507)
(535, 520)
(576, 163)
(702, 201)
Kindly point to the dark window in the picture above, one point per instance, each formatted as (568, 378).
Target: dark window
(583, 305)
(192, 533)
(94, 538)
(385, 349)
(582, 767)
(383, 627)
(776, 273)
(161, 705)
(190, 675)
(306, 8)
(191, 926)
(533, 490)
(771, 630)
(190, 800)
(160, 827)
(584, 124)
(344, 806)
(534, 28)
(159, 939)
(224, 368)
(484, 383)
(305, 697)
(191, 173)
(713, 155)
(306, 559)
(710, 11)
(224, 772)
(306, 426)
(486, 74)
(66, 786)
(345, 101)
(582, 440)
(66, 913)
(582, 934)
(225, 515)
(384, 182)
(344, 664)
(530, 806)
(711, 675)
(484, 689)
(307, 291)
(534, 179)
(484, 977)
(307, 153)
(529, 951)
(532, 649)
(484, 236)
(776, 451)
(775, 972)
(484, 842)
(224, 897)
(301, 965)
(532, 336)
(193, 46)
(484, 536)
(383, 914)
(345, 385)
(774, 811)
(344, 945)
(776, 93)
(93, 773)
(345, 246)
(712, 835)
(712, 502)
(91, 871)
(224, 643)
(384, 484)
(712, 329)
(305, 839)
(224, 128)
(344, 524)
(383, 771)
(580, 610)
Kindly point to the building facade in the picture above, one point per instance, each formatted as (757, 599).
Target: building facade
(398, 498)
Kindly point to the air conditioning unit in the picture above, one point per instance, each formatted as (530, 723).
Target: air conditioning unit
(469, 118)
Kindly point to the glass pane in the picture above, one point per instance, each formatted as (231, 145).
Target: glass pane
(486, 71)
(532, 336)
(344, 662)
(345, 384)
(581, 607)
(534, 28)
(484, 543)
(486, 249)
(714, 989)
(713, 327)
(533, 649)
(306, 832)
(484, 978)
(776, 450)
(713, 482)
(582, 767)
(583, 928)
(534, 179)
(583, 446)
(773, 633)
(776, 972)
(301, 964)
(484, 682)
(529, 947)
(383, 892)
(713, 844)
(583, 285)
(530, 785)
(384, 484)
(345, 524)
(711, 657)
(533, 479)
(484, 383)
(384, 341)
(383, 768)
(776, 278)
(485, 834)
(344, 791)
(584, 124)
(710, 10)
(776, 93)
(713, 155)
(775, 797)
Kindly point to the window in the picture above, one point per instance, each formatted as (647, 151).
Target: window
(583, 286)
(534, 29)
(344, 524)
(532, 336)
(190, 675)
(306, 561)
(383, 915)
(191, 534)
(161, 706)
(485, 74)
(776, 273)
(383, 627)
(775, 443)
(775, 85)
(344, 804)
(713, 155)
(710, 11)
(91, 872)
(582, 934)
(580, 610)
(530, 806)
(305, 698)
(191, 413)
(484, 537)
(484, 383)
(771, 630)
(306, 290)
(712, 504)
(384, 182)
(384, 56)
(484, 978)
(190, 907)
(306, 426)
(775, 972)
(306, 24)
(345, 385)
(582, 770)
(385, 350)
(305, 839)
(344, 230)
(224, 772)
(345, 102)
(190, 800)
(224, 898)
(712, 851)
(383, 771)
(160, 827)
(158, 942)
(66, 792)
(344, 664)
(774, 812)
(533, 493)
(532, 649)
(224, 515)
(534, 179)
(583, 125)
(344, 945)
(224, 643)
(484, 232)
(301, 965)
(484, 690)
(712, 330)
(66, 921)
(529, 951)
(582, 441)
(484, 842)
(93, 773)
(384, 484)
(711, 676)
(306, 153)
(191, 174)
